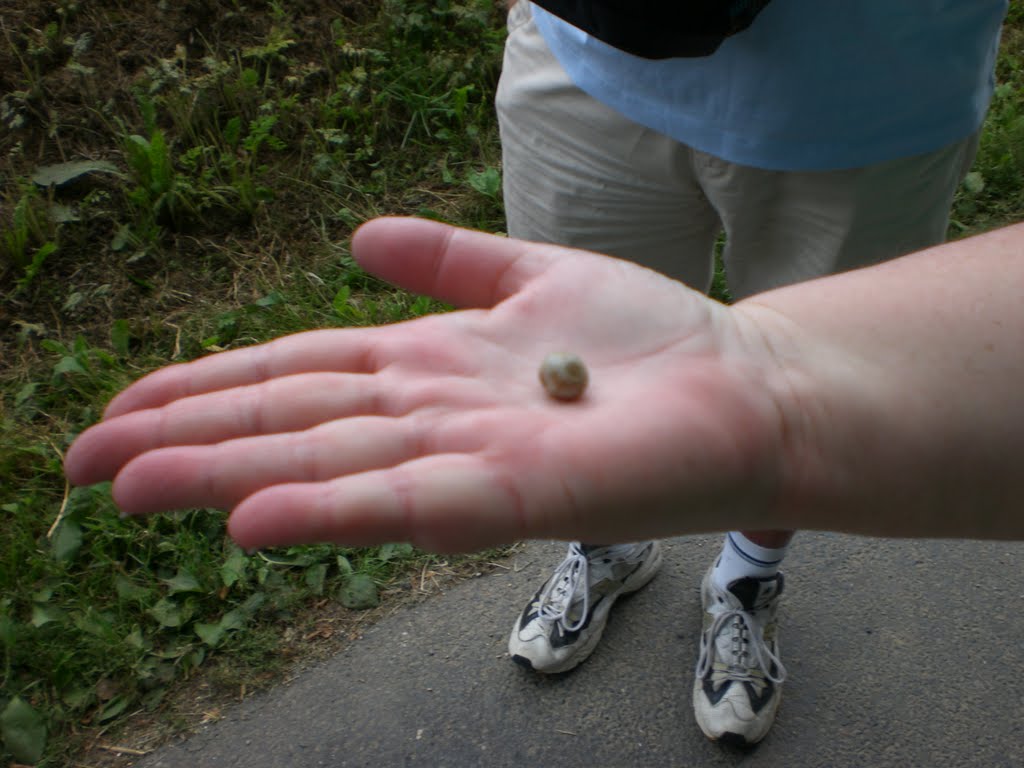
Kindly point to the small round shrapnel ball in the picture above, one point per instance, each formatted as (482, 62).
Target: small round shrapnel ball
(564, 375)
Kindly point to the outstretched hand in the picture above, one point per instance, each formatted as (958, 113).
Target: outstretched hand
(437, 430)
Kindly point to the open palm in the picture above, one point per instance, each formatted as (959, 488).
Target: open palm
(437, 431)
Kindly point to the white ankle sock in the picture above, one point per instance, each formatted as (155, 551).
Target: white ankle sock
(741, 557)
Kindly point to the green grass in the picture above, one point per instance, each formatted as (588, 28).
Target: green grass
(993, 193)
(196, 198)
(174, 183)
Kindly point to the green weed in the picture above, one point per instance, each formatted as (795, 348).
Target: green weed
(29, 238)
(993, 192)
(161, 195)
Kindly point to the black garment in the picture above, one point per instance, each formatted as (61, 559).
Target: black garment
(659, 29)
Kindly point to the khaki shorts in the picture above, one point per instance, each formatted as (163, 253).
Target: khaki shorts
(578, 173)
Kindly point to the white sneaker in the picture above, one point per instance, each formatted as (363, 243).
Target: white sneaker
(739, 674)
(562, 624)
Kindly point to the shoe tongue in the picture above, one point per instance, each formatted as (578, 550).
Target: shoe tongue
(754, 593)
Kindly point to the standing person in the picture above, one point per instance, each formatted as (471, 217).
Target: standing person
(818, 136)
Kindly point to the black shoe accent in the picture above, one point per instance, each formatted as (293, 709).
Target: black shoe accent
(754, 593)
(746, 591)
(558, 640)
(735, 741)
(523, 662)
(757, 701)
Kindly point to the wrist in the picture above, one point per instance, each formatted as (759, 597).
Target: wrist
(870, 446)
(829, 404)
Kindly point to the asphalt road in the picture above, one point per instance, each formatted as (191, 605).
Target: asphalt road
(900, 653)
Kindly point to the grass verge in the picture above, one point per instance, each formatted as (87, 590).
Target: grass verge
(181, 179)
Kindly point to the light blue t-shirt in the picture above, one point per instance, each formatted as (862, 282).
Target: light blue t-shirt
(812, 84)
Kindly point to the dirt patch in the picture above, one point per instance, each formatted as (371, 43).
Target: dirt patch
(111, 45)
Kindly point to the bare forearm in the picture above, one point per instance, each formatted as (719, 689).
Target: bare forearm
(903, 387)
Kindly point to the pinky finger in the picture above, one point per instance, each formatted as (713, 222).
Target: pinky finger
(445, 503)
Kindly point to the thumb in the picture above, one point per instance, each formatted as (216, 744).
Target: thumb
(458, 266)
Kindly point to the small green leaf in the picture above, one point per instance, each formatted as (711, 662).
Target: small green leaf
(153, 698)
(44, 593)
(359, 593)
(45, 250)
(120, 337)
(73, 300)
(168, 613)
(63, 214)
(227, 327)
(344, 566)
(95, 623)
(315, 576)
(253, 603)
(486, 182)
(233, 131)
(974, 183)
(129, 590)
(234, 567)
(348, 216)
(45, 614)
(270, 300)
(8, 631)
(421, 306)
(175, 652)
(122, 238)
(183, 581)
(114, 707)
(193, 659)
(24, 731)
(459, 98)
(62, 173)
(235, 619)
(66, 541)
(68, 365)
(25, 394)
(392, 551)
(134, 639)
(340, 303)
(79, 698)
(211, 634)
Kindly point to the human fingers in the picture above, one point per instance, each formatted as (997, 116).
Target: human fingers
(221, 475)
(350, 350)
(442, 503)
(427, 341)
(465, 268)
(288, 404)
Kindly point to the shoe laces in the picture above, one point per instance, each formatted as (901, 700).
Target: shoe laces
(747, 644)
(556, 599)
